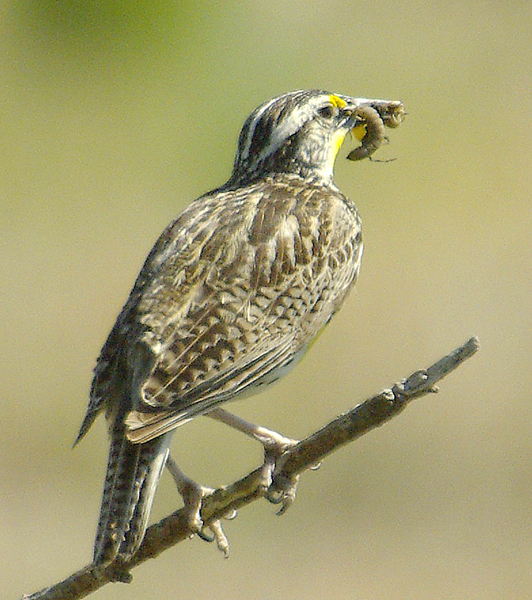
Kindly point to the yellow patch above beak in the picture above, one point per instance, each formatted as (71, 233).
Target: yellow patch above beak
(337, 101)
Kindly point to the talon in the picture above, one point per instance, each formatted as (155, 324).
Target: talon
(221, 539)
(205, 536)
(284, 494)
(217, 535)
(193, 495)
(287, 499)
(274, 496)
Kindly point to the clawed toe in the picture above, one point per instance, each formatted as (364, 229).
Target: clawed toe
(283, 493)
(193, 495)
(274, 445)
(217, 534)
(219, 537)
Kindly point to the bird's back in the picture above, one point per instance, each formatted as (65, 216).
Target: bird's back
(232, 292)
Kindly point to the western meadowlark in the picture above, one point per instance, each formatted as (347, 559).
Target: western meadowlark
(231, 296)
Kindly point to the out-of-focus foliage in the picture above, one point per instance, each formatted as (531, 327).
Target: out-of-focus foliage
(113, 116)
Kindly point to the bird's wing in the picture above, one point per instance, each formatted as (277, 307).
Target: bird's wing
(257, 368)
(230, 294)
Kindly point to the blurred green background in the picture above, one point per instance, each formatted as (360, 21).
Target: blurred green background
(113, 116)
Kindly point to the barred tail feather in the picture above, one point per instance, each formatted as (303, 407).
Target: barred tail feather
(133, 472)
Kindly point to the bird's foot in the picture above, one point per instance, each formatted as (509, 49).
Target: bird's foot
(217, 535)
(193, 495)
(279, 490)
(275, 445)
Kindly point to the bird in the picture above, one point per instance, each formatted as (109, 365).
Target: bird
(230, 298)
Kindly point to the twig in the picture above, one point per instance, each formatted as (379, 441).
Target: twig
(299, 458)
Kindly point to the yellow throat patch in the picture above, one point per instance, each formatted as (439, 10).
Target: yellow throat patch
(339, 137)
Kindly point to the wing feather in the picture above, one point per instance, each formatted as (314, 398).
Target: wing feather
(145, 426)
(231, 293)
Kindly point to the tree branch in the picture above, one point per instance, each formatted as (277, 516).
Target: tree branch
(299, 458)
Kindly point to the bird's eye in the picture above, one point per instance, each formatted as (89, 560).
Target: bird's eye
(327, 112)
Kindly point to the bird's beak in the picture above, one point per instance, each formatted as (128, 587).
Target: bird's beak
(391, 112)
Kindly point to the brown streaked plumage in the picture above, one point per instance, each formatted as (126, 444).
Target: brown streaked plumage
(228, 300)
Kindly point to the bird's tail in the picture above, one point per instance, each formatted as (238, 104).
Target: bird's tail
(133, 472)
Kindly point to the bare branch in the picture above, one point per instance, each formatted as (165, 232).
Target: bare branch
(299, 458)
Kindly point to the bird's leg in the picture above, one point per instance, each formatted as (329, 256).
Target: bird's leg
(193, 494)
(270, 439)
(274, 445)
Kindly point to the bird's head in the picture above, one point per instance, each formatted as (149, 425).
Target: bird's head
(301, 132)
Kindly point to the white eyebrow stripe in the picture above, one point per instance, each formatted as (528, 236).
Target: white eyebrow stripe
(283, 131)
(253, 126)
(289, 126)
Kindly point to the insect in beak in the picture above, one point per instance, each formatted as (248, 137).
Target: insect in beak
(374, 118)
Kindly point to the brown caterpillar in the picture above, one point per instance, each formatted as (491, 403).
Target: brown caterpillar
(393, 114)
(374, 135)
